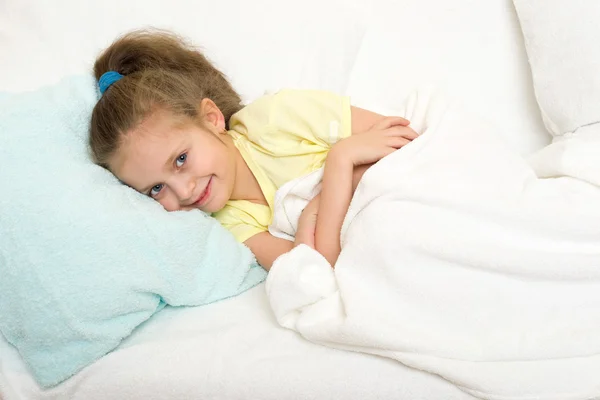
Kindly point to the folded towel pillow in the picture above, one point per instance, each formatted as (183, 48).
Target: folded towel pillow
(561, 39)
(561, 43)
(84, 259)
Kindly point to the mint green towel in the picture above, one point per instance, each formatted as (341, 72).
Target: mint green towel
(84, 259)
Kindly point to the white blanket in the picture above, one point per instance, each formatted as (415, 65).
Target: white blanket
(459, 260)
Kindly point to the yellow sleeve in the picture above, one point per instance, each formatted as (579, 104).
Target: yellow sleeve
(243, 219)
(290, 118)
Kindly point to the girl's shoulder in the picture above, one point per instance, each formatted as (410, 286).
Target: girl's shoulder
(317, 116)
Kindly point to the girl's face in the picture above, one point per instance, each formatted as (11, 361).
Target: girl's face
(182, 166)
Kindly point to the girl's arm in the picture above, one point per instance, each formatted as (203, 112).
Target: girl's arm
(388, 135)
(363, 121)
(305, 234)
(336, 194)
(267, 248)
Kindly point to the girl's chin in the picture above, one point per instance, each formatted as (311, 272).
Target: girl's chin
(212, 206)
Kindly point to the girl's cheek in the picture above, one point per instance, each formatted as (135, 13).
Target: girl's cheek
(169, 203)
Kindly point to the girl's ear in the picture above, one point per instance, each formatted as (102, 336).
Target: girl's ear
(212, 114)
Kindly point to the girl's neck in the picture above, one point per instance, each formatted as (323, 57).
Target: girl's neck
(245, 186)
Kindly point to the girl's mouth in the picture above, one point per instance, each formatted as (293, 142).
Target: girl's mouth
(204, 195)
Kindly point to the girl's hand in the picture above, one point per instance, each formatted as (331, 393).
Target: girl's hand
(382, 139)
(307, 224)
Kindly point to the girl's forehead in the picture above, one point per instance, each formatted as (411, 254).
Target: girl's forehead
(157, 130)
(159, 124)
(148, 140)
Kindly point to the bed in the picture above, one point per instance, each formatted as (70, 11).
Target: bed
(376, 52)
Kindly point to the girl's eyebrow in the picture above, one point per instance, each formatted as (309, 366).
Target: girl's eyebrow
(176, 153)
(173, 156)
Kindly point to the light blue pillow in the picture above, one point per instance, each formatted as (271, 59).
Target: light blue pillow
(84, 259)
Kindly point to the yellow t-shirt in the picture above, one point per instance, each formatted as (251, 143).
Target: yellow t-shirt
(281, 137)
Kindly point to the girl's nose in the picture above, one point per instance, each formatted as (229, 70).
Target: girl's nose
(184, 189)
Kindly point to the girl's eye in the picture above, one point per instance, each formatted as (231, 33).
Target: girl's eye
(156, 190)
(181, 160)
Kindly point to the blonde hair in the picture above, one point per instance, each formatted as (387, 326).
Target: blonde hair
(160, 72)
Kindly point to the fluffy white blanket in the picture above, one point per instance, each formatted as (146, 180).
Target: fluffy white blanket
(458, 259)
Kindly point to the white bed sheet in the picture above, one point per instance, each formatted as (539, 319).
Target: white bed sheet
(235, 349)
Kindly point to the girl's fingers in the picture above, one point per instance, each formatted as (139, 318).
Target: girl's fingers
(388, 150)
(397, 142)
(403, 131)
(388, 122)
(409, 134)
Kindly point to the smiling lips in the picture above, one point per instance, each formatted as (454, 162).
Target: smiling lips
(205, 194)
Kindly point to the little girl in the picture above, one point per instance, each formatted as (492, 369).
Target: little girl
(170, 126)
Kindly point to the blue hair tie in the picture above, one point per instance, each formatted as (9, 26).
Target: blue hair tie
(107, 79)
